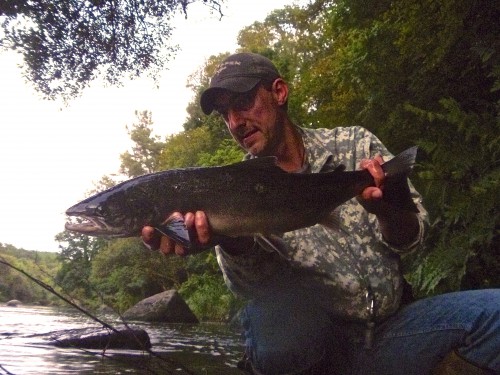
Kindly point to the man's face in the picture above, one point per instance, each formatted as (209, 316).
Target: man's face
(254, 118)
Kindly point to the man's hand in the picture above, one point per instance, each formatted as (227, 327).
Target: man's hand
(371, 197)
(399, 227)
(195, 222)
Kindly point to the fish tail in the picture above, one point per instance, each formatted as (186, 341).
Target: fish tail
(396, 188)
(401, 163)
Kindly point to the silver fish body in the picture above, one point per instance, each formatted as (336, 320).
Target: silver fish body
(246, 198)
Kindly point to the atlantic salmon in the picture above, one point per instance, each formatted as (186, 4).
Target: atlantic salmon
(242, 199)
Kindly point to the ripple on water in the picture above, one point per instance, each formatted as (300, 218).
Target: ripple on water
(180, 349)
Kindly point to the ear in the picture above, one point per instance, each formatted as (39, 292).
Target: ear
(280, 91)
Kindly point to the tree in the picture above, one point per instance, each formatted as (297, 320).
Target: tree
(15, 285)
(184, 149)
(76, 256)
(413, 72)
(67, 43)
(124, 272)
(146, 149)
(425, 73)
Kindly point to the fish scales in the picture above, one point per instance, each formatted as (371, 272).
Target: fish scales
(250, 197)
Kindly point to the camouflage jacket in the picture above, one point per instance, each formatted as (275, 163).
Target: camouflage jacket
(338, 262)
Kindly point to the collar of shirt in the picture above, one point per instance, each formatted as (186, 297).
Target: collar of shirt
(319, 158)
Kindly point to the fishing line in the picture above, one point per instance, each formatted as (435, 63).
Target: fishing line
(95, 318)
(6, 371)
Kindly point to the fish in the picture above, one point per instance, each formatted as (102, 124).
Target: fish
(252, 197)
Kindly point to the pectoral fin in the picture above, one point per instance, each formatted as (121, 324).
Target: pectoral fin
(175, 228)
(272, 243)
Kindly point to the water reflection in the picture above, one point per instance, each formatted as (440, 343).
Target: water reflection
(179, 349)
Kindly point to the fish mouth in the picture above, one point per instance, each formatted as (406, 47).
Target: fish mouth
(93, 226)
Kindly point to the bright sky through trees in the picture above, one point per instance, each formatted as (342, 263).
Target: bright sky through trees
(51, 154)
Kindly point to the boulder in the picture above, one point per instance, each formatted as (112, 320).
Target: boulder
(99, 338)
(166, 307)
(14, 303)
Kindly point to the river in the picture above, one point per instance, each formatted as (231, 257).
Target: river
(178, 349)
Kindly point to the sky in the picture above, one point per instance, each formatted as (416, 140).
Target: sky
(51, 154)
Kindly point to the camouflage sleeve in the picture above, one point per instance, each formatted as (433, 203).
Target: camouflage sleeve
(368, 146)
(423, 222)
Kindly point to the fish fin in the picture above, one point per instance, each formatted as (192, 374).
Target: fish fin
(265, 163)
(397, 192)
(333, 220)
(272, 243)
(401, 163)
(396, 188)
(175, 228)
(339, 168)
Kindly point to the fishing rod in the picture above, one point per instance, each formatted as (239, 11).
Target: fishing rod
(50, 289)
(6, 371)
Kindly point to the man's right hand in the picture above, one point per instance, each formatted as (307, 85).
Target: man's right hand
(195, 222)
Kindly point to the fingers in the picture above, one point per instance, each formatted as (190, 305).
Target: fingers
(374, 166)
(169, 246)
(202, 228)
(373, 194)
(150, 238)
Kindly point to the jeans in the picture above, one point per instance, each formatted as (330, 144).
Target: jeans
(287, 333)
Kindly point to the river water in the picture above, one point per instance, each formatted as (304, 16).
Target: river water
(177, 349)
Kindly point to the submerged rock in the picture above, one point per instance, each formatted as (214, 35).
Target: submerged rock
(166, 307)
(99, 338)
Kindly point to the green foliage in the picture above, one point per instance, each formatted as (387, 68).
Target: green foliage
(413, 72)
(198, 82)
(208, 297)
(425, 73)
(462, 194)
(146, 149)
(184, 149)
(14, 285)
(77, 253)
(205, 291)
(125, 272)
(228, 152)
(67, 43)
(285, 38)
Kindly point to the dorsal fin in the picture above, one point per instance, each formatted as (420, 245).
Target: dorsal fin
(264, 163)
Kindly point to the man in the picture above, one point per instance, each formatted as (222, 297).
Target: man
(330, 298)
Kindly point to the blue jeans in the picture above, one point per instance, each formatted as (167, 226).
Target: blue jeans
(287, 333)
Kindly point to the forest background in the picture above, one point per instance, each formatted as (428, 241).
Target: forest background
(414, 72)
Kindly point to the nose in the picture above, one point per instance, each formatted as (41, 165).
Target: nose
(234, 119)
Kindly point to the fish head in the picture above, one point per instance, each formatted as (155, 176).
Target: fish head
(109, 214)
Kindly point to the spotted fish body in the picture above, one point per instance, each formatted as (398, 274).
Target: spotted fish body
(246, 198)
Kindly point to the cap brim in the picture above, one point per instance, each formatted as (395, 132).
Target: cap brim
(236, 85)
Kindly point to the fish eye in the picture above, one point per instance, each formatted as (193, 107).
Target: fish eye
(99, 210)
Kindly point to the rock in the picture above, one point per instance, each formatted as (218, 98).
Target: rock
(14, 303)
(99, 338)
(166, 307)
(105, 309)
